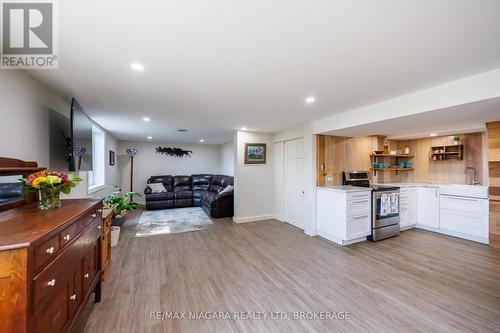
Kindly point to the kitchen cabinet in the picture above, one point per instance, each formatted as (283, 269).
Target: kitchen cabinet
(408, 207)
(428, 206)
(343, 214)
(464, 215)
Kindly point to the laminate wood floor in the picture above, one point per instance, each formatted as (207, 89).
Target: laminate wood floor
(417, 282)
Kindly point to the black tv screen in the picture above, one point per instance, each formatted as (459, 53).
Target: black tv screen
(60, 141)
(81, 137)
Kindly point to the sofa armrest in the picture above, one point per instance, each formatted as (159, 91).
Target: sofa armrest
(148, 190)
(224, 195)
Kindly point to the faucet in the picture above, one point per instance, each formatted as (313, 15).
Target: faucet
(473, 180)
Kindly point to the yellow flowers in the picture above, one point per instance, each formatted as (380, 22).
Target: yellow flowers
(39, 181)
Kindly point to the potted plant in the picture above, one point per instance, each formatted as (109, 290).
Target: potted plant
(50, 185)
(120, 203)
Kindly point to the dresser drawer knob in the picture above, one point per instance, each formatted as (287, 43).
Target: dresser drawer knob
(94, 216)
(50, 250)
(67, 237)
(99, 227)
(73, 297)
(52, 282)
(86, 276)
(99, 210)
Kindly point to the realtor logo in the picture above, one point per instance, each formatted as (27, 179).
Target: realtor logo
(28, 34)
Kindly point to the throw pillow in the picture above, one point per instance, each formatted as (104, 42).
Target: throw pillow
(229, 188)
(157, 187)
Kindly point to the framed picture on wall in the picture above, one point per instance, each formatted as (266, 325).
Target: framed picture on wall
(255, 153)
(111, 158)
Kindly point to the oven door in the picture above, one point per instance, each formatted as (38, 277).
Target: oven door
(378, 220)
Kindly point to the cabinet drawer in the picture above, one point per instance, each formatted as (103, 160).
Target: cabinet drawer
(358, 226)
(359, 195)
(464, 204)
(358, 206)
(69, 233)
(46, 251)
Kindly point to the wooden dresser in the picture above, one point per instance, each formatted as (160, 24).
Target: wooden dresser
(107, 215)
(50, 263)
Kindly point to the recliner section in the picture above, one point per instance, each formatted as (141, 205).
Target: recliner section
(201, 190)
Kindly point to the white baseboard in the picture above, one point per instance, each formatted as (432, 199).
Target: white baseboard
(454, 234)
(252, 218)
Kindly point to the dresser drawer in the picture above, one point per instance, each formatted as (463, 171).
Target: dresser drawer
(359, 195)
(50, 282)
(46, 251)
(68, 234)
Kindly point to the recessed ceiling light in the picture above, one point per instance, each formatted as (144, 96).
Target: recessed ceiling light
(433, 134)
(243, 128)
(202, 140)
(310, 99)
(137, 66)
(146, 119)
(182, 130)
(150, 137)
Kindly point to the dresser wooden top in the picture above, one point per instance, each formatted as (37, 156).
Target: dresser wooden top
(20, 227)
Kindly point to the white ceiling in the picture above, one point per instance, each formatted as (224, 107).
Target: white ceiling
(465, 118)
(215, 66)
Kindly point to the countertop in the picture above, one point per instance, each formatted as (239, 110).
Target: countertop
(344, 188)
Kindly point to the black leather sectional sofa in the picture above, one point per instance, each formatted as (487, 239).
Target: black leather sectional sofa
(196, 190)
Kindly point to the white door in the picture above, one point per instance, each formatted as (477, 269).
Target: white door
(294, 182)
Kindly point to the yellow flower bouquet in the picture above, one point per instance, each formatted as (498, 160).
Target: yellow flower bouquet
(50, 185)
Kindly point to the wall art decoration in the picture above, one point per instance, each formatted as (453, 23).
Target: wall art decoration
(255, 153)
(174, 152)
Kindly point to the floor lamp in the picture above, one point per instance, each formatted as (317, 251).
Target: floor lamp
(131, 152)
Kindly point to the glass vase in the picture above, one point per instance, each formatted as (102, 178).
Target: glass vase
(50, 199)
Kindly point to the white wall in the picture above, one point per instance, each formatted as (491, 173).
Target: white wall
(254, 183)
(25, 103)
(147, 163)
(227, 159)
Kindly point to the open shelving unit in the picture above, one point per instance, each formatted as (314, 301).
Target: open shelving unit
(374, 159)
(447, 153)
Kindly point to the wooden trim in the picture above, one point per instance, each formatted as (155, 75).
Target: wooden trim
(494, 181)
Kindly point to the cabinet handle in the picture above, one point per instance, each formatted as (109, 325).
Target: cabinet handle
(67, 237)
(99, 210)
(50, 250)
(360, 201)
(73, 297)
(86, 276)
(94, 216)
(359, 217)
(99, 227)
(52, 282)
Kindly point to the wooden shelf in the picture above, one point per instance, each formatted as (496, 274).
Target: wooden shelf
(391, 169)
(449, 153)
(389, 155)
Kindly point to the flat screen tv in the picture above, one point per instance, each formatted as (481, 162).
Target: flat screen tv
(81, 139)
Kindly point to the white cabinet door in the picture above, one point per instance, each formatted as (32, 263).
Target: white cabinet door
(294, 182)
(464, 222)
(412, 206)
(359, 226)
(428, 206)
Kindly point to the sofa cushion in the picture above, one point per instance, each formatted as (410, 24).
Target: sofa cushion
(166, 180)
(208, 199)
(182, 181)
(160, 196)
(183, 195)
(198, 193)
(201, 182)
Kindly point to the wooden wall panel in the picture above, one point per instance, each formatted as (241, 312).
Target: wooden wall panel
(494, 180)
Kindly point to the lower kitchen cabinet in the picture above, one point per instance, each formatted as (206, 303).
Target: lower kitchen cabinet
(428, 206)
(408, 204)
